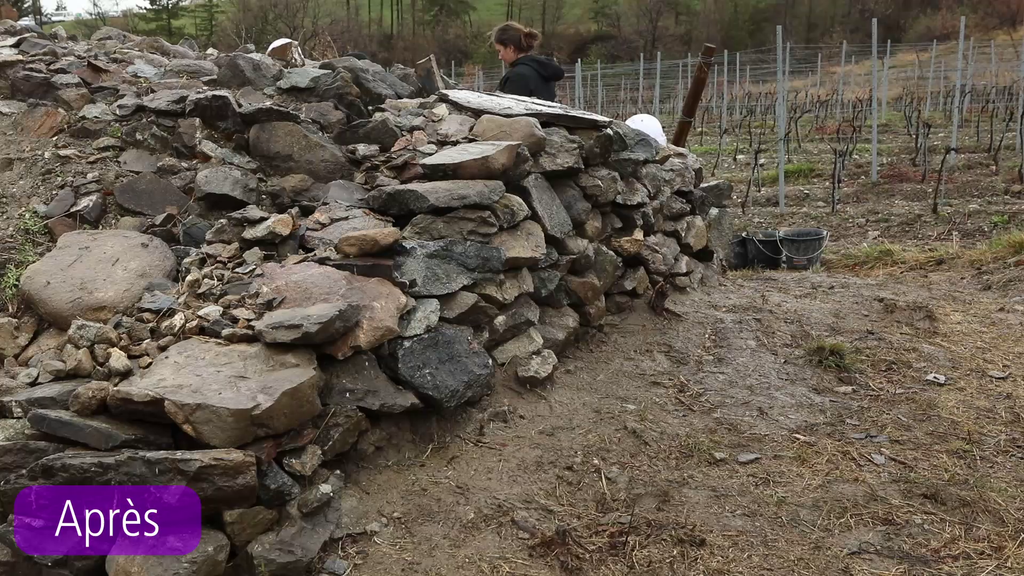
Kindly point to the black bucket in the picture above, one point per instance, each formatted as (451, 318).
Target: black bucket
(802, 247)
(738, 253)
(763, 249)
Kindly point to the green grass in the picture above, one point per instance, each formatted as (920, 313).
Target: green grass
(31, 232)
(832, 355)
(796, 173)
(1000, 220)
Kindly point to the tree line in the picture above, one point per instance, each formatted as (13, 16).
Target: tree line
(609, 30)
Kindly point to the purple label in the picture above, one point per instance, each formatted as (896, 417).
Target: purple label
(107, 520)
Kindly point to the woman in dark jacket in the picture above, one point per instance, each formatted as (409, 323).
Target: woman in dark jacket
(528, 75)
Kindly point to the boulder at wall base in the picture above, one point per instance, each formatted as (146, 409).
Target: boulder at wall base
(288, 550)
(358, 381)
(208, 559)
(287, 148)
(307, 284)
(445, 367)
(223, 479)
(225, 396)
(94, 275)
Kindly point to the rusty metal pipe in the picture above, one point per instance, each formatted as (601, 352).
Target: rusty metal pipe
(693, 95)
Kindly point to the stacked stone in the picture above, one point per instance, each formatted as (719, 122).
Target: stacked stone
(293, 249)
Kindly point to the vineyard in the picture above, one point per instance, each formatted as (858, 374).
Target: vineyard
(931, 97)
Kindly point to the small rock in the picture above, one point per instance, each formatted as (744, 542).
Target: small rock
(422, 317)
(747, 457)
(537, 368)
(276, 487)
(314, 498)
(274, 229)
(91, 398)
(367, 242)
(304, 461)
(77, 361)
(28, 376)
(119, 365)
(244, 525)
(85, 334)
(522, 346)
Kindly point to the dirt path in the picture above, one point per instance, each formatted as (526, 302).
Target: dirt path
(628, 464)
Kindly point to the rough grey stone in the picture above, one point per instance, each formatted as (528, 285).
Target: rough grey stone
(514, 106)
(466, 309)
(533, 371)
(359, 382)
(445, 366)
(101, 432)
(472, 161)
(523, 245)
(208, 559)
(509, 210)
(442, 267)
(223, 479)
(546, 207)
(317, 324)
(227, 184)
(287, 148)
(522, 346)
(430, 196)
(149, 194)
(419, 319)
(464, 224)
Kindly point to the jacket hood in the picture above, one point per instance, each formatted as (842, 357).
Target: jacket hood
(546, 67)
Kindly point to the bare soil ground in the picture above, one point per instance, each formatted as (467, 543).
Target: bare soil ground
(629, 461)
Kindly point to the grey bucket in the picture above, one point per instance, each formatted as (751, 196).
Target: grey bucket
(802, 247)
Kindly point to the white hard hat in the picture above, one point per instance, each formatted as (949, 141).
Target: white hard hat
(648, 125)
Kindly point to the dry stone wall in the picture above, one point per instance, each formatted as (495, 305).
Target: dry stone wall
(273, 252)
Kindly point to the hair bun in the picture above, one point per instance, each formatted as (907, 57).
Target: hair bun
(530, 39)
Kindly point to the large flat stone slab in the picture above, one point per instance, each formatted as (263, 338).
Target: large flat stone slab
(223, 479)
(513, 106)
(101, 432)
(422, 197)
(226, 395)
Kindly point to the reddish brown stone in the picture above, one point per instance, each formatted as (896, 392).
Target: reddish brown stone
(42, 122)
(60, 226)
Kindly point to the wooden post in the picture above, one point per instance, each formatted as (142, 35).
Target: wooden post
(693, 96)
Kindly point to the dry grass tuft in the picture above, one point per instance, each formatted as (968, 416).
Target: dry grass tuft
(833, 355)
